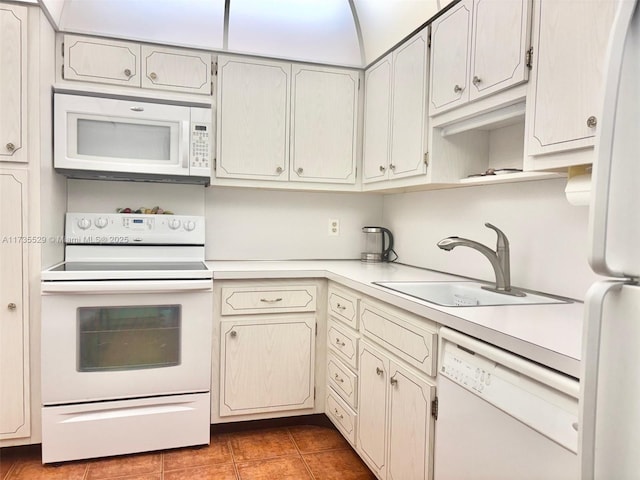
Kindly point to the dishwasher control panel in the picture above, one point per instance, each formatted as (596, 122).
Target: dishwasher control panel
(475, 373)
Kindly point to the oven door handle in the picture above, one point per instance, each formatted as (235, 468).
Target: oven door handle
(133, 286)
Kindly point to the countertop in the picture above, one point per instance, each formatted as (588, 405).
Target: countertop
(549, 334)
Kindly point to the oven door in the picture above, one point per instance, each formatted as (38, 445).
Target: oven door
(125, 339)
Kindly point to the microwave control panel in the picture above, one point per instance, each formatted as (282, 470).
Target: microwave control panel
(200, 145)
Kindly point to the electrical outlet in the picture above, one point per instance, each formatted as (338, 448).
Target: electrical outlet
(334, 227)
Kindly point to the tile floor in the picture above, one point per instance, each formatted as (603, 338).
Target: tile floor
(294, 453)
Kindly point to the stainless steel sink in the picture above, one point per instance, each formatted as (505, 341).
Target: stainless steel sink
(464, 294)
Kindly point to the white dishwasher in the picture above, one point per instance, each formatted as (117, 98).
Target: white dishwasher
(501, 416)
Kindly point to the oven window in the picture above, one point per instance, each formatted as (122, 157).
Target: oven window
(128, 338)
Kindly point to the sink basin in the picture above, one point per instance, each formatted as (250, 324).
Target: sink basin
(464, 294)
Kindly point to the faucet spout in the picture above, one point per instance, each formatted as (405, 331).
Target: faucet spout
(499, 258)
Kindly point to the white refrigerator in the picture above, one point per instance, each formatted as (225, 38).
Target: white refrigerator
(610, 381)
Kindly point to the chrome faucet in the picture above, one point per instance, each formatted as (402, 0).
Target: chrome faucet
(499, 259)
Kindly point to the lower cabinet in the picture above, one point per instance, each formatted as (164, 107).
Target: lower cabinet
(14, 315)
(267, 364)
(395, 423)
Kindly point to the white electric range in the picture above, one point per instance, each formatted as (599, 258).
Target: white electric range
(126, 337)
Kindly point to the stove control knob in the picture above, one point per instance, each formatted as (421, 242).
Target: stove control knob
(174, 224)
(190, 225)
(84, 223)
(100, 222)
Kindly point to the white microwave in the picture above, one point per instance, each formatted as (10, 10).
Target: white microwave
(119, 139)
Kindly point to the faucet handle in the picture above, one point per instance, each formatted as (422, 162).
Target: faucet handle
(503, 242)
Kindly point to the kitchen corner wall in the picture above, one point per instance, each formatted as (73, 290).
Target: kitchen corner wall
(548, 237)
(254, 224)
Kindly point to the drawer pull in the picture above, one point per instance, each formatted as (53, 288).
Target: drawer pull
(341, 307)
(393, 381)
(340, 343)
(338, 379)
(379, 371)
(338, 414)
(272, 300)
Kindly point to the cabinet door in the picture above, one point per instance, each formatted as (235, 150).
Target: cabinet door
(500, 40)
(253, 119)
(267, 365)
(13, 83)
(409, 108)
(570, 39)
(410, 425)
(450, 49)
(372, 409)
(177, 70)
(377, 120)
(324, 114)
(101, 61)
(14, 352)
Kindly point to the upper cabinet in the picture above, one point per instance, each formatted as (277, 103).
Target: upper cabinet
(285, 122)
(395, 119)
(324, 124)
(13, 83)
(478, 48)
(177, 70)
(253, 119)
(131, 64)
(569, 44)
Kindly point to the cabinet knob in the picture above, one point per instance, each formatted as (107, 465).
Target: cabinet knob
(382, 169)
(476, 80)
(392, 167)
(458, 89)
(127, 72)
(10, 146)
(592, 121)
(153, 75)
(279, 170)
(299, 170)
(12, 306)
(393, 381)
(233, 333)
(379, 371)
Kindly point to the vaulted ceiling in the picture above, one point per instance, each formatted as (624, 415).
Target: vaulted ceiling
(338, 32)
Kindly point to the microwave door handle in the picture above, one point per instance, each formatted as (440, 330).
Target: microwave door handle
(185, 145)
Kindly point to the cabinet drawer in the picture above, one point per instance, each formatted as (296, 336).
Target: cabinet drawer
(342, 416)
(400, 333)
(342, 380)
(343, 343)
(253, 300)
(343, 306)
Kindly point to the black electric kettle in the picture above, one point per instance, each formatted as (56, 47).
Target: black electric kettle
(377, 245)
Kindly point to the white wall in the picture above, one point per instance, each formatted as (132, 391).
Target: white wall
(105, 197)
(250, 224)
(548, 237)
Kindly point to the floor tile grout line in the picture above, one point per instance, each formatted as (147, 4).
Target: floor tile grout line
(293, 439)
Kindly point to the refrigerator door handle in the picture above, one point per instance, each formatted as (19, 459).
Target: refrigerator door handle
(594, 303)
